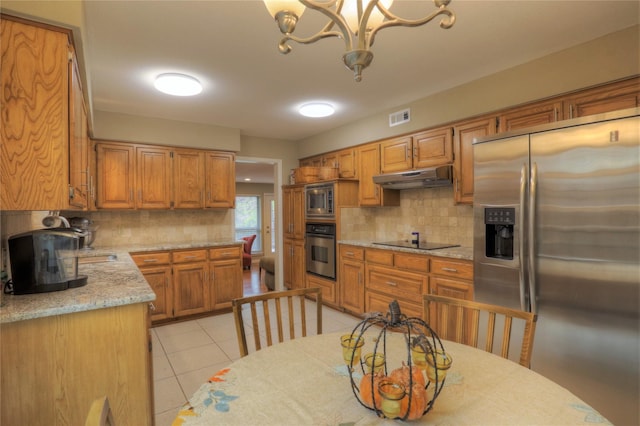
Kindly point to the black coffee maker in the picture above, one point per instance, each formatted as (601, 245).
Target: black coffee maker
(45, 260)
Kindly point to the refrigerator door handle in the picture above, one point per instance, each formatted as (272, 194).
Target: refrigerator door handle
(524, 304)
(533, 188)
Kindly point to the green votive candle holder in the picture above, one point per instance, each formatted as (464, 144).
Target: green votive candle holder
(374, 362)
(351, 347)
(438, 361)
(391, 393)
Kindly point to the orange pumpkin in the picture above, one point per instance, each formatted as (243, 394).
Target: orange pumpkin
(367, 394)
(403, 373)
(418, 402)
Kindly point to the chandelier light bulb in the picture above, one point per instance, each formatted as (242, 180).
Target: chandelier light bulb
(177, 84)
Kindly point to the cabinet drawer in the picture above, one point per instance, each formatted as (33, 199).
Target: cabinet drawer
(328, 288)
(150, 259)
(411, 262)
(402, 284)
(376, 302)
(452, 268)
(222, 253)
(382, 257)
(189, 256)
(352, 252)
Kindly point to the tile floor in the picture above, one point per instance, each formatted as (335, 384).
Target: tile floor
(185, 354)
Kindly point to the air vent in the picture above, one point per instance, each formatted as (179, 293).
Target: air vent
(399, 117)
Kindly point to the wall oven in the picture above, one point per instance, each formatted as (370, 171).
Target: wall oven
(320, 244)
(319, 201)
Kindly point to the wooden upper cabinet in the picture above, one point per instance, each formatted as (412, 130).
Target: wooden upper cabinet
(311, 161)
(220, 179)
(79, 141)
(188, 179)
(611, 97)
(153, 177)
(464, 134)
(433, 147)
(293, 217)
(370, 193)
(396, 155)
(344, 160)
(34, 153)
(425, 149)
(530, 115)
(115, 164)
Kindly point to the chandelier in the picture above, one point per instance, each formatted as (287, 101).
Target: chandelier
(354, 21)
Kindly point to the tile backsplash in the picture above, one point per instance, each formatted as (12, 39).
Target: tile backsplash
(429, 211)
(148, 227)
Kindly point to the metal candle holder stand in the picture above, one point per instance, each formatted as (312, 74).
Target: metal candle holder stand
(412, 327)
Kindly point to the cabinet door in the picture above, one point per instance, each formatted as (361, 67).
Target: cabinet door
(294, 264)
(153, 178)
(465, 133)
(396, 155)
(347, 163)
(433, 148)
(225, 282)
(450, 288)
(530, 115)
(34, 168)
(328, 288)
(78, 140)
(191, 290)
(352, 285)
(93, 173)
(612, 97)
(311, 161)
(293, 206)
(115, 176)
(220, 179)
(188, 179)
(159, 279)
(369, 166)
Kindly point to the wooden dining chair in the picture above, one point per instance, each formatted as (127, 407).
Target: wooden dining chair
(100, 413)
(265, 312)
(459, 320)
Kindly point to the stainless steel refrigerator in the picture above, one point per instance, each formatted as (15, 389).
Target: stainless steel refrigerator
(557, 232)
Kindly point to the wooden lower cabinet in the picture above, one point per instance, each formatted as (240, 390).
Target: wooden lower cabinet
(54, 367)
(328, 287)
(188, 282)
(156, 268)
(379, 302)
(225, 275)
(351, 278)
(452, 278)
(293, 262)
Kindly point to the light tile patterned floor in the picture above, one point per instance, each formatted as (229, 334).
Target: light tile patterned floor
(186, 353)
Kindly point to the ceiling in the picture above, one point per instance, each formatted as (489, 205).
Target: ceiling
(231, 47)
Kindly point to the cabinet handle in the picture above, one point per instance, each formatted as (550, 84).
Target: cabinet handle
(555, 114)
(189, 257)
(391, 283)
(450, 270)
(571, 111)
(152, 306)
(349, 253)
(150, 260)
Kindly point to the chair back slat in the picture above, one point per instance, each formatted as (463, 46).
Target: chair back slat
(272, 301)
(466, 315)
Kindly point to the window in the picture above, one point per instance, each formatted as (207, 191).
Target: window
(248, 220)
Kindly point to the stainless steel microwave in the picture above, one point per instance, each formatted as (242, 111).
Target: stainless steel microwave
(319, 201)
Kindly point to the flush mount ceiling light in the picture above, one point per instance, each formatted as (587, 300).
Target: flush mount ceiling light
(356, 22)
(316, 110)
(177, 84)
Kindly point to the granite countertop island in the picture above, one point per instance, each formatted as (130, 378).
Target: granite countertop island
(113, 280)
(465, 253)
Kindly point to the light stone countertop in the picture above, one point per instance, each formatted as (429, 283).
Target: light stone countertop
(465, 253)
(109, 284)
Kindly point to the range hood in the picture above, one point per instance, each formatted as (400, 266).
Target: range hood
(422, 178)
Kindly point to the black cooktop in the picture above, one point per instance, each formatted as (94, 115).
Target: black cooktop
(422, 245)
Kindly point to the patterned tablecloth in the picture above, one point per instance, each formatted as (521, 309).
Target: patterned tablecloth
(305, 382)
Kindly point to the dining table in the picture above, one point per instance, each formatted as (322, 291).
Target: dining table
(306, 381)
